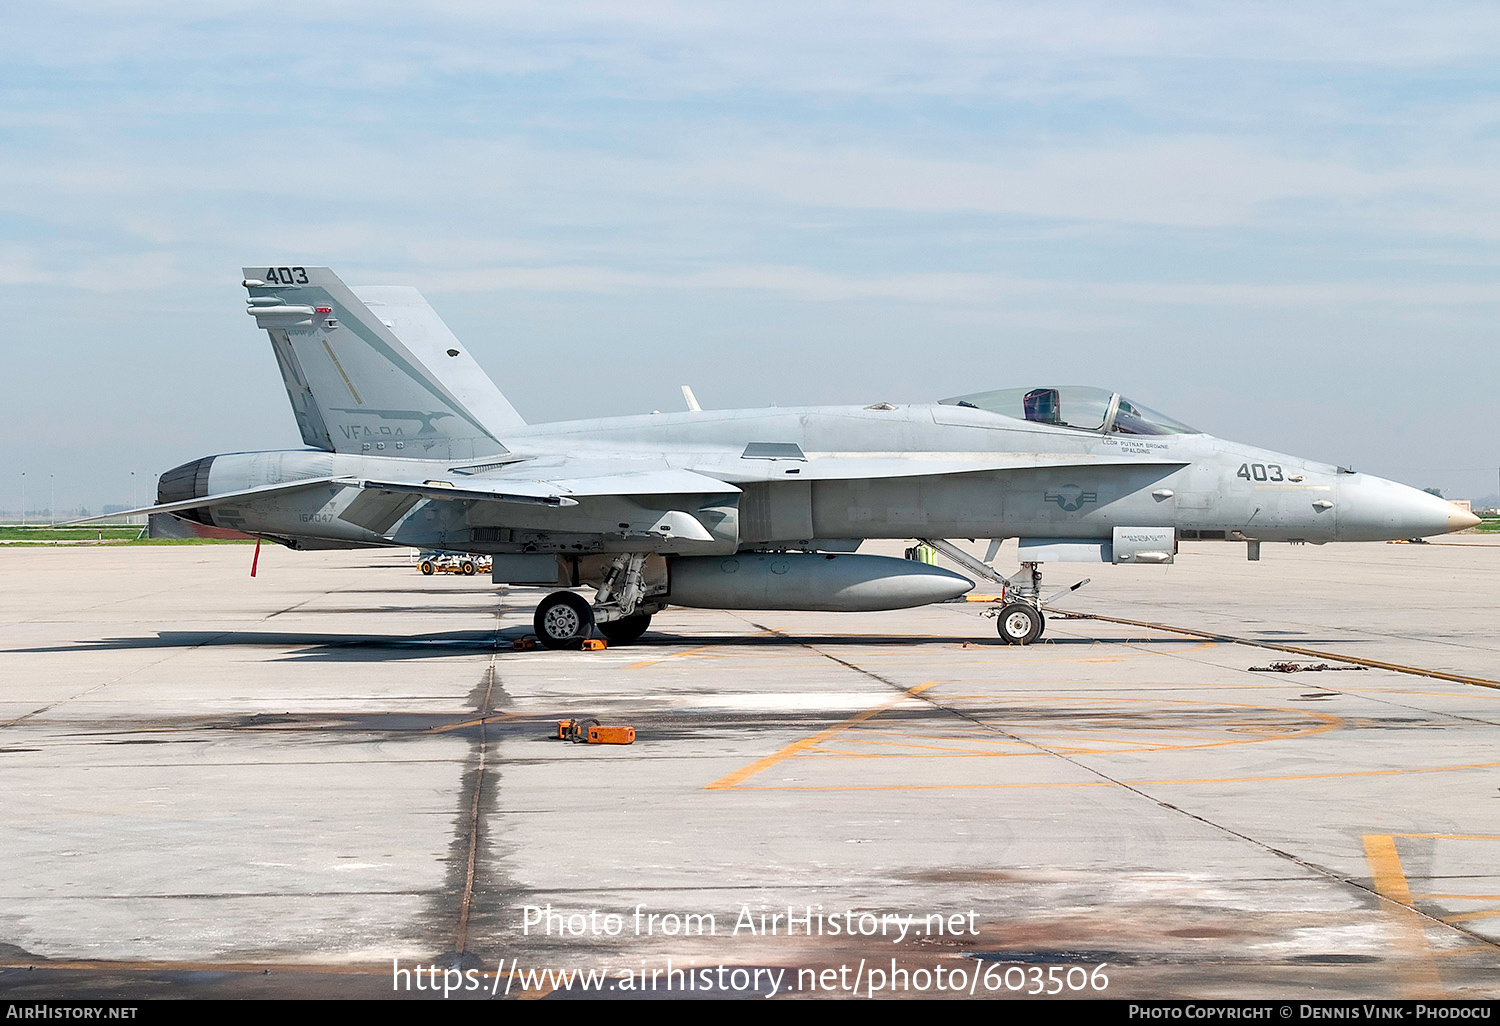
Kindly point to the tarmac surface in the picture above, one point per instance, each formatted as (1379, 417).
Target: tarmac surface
(309, 782)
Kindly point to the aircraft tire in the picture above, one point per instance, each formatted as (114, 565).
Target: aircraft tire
(626, 629)
(425, 567)
(563, 620)
(1019, 623)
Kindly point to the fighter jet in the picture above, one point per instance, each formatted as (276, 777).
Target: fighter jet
(409, 443)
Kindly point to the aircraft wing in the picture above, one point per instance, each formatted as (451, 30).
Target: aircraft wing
(555, 483)
(530, 484)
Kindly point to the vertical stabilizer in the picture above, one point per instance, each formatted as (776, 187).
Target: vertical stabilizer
(374, 370)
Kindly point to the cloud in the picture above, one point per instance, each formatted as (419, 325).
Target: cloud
(969, 289)
(884, 47)
(1193, 182)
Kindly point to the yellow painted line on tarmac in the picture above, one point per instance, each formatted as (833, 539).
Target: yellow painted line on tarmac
(1073, 743)
(739, 776)
(1419, 977)
(1131, 783)
(1324, 776)
(1402, 691)
(853, 739)
(987, 736)
(833, 753)
(1467, 916)
(1155, 746)
(478, 722)
(1329, 721)
(1454, 897)
(1385, 869)
(977, 734)
(689, 651)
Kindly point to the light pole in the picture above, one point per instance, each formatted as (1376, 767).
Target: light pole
(52, 499)
(133, 503)
(23, 498)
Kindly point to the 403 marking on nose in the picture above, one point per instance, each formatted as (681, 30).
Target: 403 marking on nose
(1260, 472)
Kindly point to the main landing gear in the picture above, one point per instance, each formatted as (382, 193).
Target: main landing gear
(1019, 618)
(563, 620)
(619, 611)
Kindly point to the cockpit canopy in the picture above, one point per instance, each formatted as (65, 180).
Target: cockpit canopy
(1074, 406)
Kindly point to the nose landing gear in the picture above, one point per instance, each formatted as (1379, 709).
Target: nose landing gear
(1019, 623)
(1019, 618)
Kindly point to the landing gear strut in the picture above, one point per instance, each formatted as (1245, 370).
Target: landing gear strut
(1019, 618)
(1020, 621)
(620, 610)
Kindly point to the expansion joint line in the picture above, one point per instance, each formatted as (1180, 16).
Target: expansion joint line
(1312, 867)
(465, 905)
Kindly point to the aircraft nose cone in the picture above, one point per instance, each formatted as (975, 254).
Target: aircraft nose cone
(1458, 520)
(1374, 509)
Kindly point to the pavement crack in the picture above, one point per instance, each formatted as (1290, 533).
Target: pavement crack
(477, 791)
(472, 820)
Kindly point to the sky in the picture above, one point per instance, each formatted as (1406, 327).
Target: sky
(1279, 223)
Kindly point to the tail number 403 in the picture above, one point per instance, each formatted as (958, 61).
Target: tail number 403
(1260, 472)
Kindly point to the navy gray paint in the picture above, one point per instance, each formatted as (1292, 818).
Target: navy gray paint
(411, 444)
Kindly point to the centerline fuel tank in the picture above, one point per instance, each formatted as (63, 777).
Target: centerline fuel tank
(809, 580)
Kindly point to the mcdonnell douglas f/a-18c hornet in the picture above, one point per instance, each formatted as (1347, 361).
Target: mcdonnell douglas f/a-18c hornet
(411, 444)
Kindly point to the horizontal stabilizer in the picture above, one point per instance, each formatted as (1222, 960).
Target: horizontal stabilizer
(217, 500)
